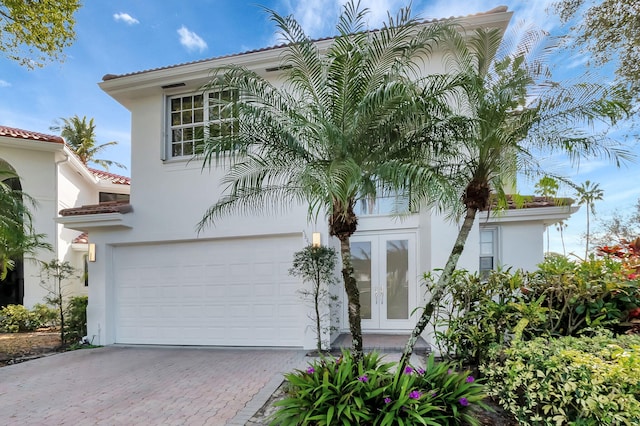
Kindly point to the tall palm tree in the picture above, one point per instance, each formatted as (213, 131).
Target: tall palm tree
(520, 115)
(348, 123)
(17, 235)
(547, 187)
(80, 135)
(588, 193)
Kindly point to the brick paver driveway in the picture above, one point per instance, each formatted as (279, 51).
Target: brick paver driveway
(119, 385)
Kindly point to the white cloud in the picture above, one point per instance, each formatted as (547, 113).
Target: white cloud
(4, 83)
(126, 18)
(191, 40)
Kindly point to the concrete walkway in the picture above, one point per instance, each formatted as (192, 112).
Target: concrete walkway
(119, 385)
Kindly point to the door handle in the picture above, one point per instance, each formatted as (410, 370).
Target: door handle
(381, 295)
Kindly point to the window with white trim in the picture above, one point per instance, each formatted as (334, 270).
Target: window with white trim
(488, 250)
(192, 118)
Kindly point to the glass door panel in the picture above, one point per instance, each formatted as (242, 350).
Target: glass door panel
(397, 291)
(361, 258)
(385, 271)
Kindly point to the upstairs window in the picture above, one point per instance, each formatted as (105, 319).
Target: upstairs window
(107, 197)
(488, 250)
(192, 118)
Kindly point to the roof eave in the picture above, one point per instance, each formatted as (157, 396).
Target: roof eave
(546, 215)
(191, 76)
(88, 222)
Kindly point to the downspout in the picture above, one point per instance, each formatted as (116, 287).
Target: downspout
(57, 199)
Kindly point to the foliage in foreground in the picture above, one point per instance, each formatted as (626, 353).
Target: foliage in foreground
(561, 298)
(341, 391)
(17, 318)
(570, 380)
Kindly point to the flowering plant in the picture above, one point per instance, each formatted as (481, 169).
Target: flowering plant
(339, 391)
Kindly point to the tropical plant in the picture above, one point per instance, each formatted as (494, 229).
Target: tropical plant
(570, 381)
(343, 391)
(54, 278)
(588, 193)
(316, 265)
(77, 318)
(519, 114)
(349, 122)
(17, 235)
(80, 135)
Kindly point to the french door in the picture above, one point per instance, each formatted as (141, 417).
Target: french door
(385, 270)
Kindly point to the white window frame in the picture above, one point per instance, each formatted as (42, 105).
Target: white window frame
(187, 114)
(491, 253)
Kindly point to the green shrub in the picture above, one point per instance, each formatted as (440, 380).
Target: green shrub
(76, 318)
(341, 392)
(15, 319)
(43, 316)
(579, 295)
(561, 298)
(569, 380)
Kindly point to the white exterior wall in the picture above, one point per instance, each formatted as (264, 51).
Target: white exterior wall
(37, 177)
(521, 245)
(73, 190)
(56, 180)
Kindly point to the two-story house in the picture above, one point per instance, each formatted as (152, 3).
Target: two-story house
(155, 280)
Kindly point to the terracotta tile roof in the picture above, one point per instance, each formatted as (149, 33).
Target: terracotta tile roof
(112, 177)
(532, 201)
(107, 77)
(110, 207)
(81, 239)
(12, 132)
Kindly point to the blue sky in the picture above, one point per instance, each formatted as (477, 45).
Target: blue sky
(120, 36)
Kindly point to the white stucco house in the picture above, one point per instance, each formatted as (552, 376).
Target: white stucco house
(156, 281)
(54, 176)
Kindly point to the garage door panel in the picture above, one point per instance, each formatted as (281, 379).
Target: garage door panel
(236, 292)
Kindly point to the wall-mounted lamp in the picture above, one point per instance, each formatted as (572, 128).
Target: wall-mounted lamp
(92, 253)
(315, 239)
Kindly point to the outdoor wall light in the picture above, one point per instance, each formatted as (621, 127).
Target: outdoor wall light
(315, 239)
(92, 253)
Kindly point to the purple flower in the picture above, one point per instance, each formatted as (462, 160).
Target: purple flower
(311, 370)
(387, 400)
(408, 370)
(363, 378)
(415, 395)
(470, 379)
(420, 371)
(463, 401)
(434, 394)
(449, 371)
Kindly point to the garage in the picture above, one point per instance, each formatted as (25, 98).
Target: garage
(230, 292)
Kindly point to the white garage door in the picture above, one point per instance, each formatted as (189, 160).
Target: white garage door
(228, 292)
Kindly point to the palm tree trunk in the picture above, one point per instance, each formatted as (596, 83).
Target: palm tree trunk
(353, 297)
(586, 248)
(439, 289)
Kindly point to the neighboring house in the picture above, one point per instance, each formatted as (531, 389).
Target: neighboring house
(54, 176)
(156, 281)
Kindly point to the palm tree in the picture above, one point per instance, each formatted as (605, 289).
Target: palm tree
(348, 123)
(80, 135)
(519, 115)
(547, 187)
(561, 226)
(588, 193)
(17, 236)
